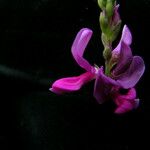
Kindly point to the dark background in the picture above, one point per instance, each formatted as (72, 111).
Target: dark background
(35, 41)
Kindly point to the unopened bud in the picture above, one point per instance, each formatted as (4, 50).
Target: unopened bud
(115, 31)
(104, 39)
(115, 57)
(110, 8)
(103, 22)
(102, 3)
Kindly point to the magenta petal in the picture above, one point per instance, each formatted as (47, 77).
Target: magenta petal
(126, 102)
(126, 38)
(79, 46)
(125, 59)
(119, 98)
(71, 84)
(103, 86)
(126, 35)
(125, 107)
(132, 75)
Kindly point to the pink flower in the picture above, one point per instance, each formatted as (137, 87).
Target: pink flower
(124, 75)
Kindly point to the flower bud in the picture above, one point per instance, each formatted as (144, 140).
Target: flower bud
(104, 39)
(114, 58)
(115, 31)
(109, 8)
(116, 15)
(103, 22)
(102, 3)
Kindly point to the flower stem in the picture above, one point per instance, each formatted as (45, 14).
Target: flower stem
(107, 70)
(107, 57)
(110, 25)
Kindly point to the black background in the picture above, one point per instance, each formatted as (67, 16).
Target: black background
(35, 41)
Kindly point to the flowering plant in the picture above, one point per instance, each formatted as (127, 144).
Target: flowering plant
(122, 70)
